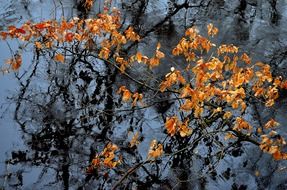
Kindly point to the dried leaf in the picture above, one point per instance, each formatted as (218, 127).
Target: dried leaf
(59, 58)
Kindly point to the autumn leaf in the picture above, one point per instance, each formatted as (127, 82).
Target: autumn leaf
(158, 46)
(277, 155)
(155, 150)
(269, 103)
(212, 30)
(177, 50)
(104, 53)
(69, 37)
(139, 57)
(227, 115)
(153, 62)
(246, 58)
(59, 58)
(229, 136)
(15, 62)
(241, 124)
(198, 110)
(186, 92)
(137, 97)
(127, 95)
(135, 140)
(171, 125)
(187, 106)
(96, 162)
(184, 130)
(131, 35)
(159, 54)
(271, 123)
(38, 45)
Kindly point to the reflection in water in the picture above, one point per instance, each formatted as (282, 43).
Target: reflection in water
(68, 113)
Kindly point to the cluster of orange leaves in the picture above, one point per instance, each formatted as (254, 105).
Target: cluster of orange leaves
(107, 158)
(101, 35)
(174, 125)
(222, 78)
(211, 81)
(52, 34)
(127, 95)
(273, 143)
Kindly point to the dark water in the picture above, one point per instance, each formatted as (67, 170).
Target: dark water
(55, 118)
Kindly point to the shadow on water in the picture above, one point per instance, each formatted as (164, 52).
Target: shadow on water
(68, 112)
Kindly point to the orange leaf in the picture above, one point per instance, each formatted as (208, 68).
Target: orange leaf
(184, 130)
(137, 97)
(127, 95)
(69, 37)
(134, 141)
(227, 115)
(153, 62)
(186, 92)
(187, 106)
(59, 58)
(155, 150)
(171, 125)
(277, 155)
(15, 62)
(41, 26)
(20, 30)
(159, 54)
(211, 30)
(270, 124)
(38, 45)
(3, 35)
(158, 46)
(139, 57)
(245, 58)
(229, 136)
